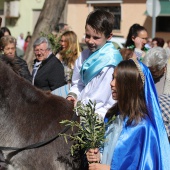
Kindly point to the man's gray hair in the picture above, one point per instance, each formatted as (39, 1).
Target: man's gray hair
(41, 40)
(156, 57)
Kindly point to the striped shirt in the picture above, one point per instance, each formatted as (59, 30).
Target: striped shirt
(164, 101)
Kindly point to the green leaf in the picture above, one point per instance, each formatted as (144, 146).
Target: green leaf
(91, 128)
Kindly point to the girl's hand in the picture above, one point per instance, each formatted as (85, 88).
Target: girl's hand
(138, 42)
(97, 166)
(93, 155)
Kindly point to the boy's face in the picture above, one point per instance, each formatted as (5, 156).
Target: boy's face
(93, 39)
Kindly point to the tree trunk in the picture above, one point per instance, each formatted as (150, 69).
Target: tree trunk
(49, 17)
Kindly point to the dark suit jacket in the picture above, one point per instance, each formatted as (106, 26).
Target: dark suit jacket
(50, 74)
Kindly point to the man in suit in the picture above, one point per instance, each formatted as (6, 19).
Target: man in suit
(48, 71)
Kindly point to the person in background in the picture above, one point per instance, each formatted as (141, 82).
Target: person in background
(48, 72)
(167, 49)
(136, 40)
(20, 42)
(158, 42)
(62, 27)
(137, 138)
(5, 31)
(8, 48)
(156, 60)
(69, 53)
(94, 67)
(27, 40)
(159, 64)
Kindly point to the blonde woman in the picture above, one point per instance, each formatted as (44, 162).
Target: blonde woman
(69, 52)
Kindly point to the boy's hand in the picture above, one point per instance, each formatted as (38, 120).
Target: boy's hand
(72, 100)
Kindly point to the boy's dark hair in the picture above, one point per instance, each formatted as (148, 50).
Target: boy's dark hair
(101, 21)
(133, 32)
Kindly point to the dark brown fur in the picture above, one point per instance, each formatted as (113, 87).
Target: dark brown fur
(27, 116)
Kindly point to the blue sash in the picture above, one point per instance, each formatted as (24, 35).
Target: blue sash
(106, 56)
(62, 91)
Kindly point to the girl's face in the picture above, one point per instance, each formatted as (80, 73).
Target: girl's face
(64, 43)
(113, 85)
(93, 39)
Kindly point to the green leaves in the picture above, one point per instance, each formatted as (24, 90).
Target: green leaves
(54, 40)
(91, 128)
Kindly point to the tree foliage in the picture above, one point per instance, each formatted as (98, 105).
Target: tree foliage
(47, 21)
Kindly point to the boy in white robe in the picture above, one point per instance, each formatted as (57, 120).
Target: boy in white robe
(94, 68)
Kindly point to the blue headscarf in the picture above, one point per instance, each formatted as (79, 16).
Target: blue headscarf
(155, 115)
(126, 142)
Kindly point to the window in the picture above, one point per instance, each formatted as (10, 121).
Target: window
(163, 24)
(163, 20)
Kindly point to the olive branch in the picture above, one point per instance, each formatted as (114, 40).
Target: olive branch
(91, 129)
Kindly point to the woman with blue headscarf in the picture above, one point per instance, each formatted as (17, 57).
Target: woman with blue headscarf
(136, 139)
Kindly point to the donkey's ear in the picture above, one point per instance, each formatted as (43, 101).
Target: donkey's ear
(0, 22)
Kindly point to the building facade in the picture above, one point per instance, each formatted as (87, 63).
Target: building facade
(126, 12)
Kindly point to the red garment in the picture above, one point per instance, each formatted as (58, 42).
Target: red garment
(25, 45)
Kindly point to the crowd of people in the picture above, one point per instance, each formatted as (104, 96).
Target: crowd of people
(132, 84)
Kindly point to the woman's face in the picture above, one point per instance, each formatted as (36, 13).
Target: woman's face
(64, 43)
(113, 85)
(144, 36)
(9, 50)
(6, 33)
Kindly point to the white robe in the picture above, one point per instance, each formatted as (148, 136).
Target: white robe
(98, 89)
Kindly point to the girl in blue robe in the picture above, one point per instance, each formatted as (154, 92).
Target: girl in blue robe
(136, 139)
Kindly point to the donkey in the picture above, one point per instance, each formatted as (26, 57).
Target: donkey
(29, 115)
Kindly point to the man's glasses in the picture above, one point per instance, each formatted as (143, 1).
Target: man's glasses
(40, 51)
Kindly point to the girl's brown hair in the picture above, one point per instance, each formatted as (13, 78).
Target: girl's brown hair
(130, 93)
(70, 55)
